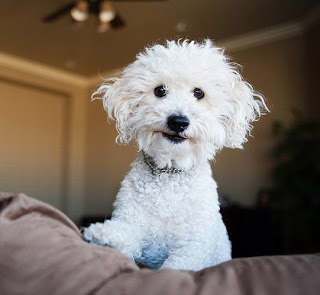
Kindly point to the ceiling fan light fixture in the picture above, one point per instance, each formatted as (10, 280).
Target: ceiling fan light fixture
(80, 12)
(107, 12)
(103, 27)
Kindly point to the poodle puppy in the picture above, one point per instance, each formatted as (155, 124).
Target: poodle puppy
(182, 102)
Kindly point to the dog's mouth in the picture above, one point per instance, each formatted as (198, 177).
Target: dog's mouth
(175, 138)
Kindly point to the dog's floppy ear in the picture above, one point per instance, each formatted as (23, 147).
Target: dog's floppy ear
(116, 104)
(245, 106)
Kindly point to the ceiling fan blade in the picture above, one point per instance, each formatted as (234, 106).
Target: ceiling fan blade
(117, 22)
(59, 12)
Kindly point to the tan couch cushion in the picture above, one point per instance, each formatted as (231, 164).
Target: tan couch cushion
(42, 252)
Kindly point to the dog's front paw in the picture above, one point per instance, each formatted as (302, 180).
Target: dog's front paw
(95, 235)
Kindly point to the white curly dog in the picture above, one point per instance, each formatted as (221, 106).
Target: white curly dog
(181, 102)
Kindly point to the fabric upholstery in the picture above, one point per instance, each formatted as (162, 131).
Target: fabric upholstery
(42, 252)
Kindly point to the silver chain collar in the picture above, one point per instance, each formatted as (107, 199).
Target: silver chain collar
(155, 169)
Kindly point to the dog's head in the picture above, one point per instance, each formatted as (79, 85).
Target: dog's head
(182, 102)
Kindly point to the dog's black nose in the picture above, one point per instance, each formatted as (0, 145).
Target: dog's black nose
(178, 123)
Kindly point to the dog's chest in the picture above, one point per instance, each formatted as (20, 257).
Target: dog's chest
(164, 192)
(171, 195)
(167, 201)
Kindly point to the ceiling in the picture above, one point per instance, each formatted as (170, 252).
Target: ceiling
(86, 52)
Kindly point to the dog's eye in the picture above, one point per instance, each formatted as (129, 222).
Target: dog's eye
(198, 93)
(160, 91)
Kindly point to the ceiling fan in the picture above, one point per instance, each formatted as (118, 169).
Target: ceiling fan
(104, 10)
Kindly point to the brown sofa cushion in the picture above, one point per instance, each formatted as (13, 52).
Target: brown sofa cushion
(42, 252)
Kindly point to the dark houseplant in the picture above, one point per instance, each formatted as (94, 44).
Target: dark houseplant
(296, 195)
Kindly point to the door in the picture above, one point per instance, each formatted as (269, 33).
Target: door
(33, 142)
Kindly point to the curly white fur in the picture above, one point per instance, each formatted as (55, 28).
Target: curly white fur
(173, 220)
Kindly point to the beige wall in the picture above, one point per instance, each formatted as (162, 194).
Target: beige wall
(107, 162)
(312, 39)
